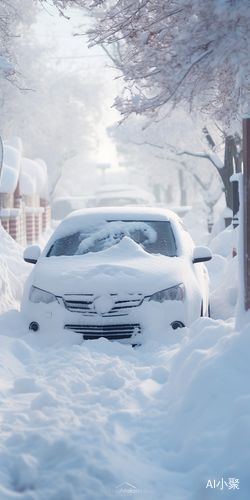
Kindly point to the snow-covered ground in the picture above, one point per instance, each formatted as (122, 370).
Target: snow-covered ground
(100, 420)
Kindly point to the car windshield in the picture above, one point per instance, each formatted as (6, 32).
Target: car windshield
(155, 237)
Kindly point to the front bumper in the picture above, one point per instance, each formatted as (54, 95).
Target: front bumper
(130, 320)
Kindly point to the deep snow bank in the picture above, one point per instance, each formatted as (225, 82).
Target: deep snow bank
(223, 268)
(223, 272)
(79, 420)
(13, 272)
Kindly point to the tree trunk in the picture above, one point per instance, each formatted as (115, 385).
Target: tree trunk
(182, 188)
(232, 157)
(168, 195)
(228, 170)
(157, 192)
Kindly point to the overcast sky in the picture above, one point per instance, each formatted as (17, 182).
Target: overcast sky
(71, 53)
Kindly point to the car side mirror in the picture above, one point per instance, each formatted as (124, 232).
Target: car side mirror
(201, 254)
(31, 254)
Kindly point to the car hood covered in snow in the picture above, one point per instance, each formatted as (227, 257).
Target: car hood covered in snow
(125, 267)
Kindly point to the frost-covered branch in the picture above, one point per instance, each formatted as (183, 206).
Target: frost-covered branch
(145, 142)
(210, 198)
(232, 163)
(13, 15)
(215, 160)
(8, 62)
(178, 51)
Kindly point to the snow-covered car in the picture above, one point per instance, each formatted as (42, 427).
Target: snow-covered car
(114, 195)
(63, 206)
(120, 273)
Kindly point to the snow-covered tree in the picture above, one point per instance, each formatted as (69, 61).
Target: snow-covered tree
(56, 117)
(175, 51)
(155, 151)
(13, 13)
(232, 161)
(182, 143)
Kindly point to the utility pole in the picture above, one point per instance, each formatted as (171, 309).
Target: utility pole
(1, 157)
(103, 167)
(246, 181)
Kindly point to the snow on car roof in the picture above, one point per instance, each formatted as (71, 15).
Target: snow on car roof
(75, 220)
(118, 213)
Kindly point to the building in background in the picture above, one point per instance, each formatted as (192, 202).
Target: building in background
(24, 207)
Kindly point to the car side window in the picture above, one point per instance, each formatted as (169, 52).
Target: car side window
(65, 246)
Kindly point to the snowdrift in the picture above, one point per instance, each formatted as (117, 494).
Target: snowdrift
(13, 272)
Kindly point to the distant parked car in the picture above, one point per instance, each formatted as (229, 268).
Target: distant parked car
(120, 195)
(63, 206)
(180, 210)
(117, 273)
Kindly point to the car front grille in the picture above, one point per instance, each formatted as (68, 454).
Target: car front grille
(85, 305)
(110, 332)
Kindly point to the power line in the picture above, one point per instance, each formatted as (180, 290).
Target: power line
(55, 36)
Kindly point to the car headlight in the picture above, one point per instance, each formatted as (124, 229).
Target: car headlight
(174, 293)
(37, 295)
